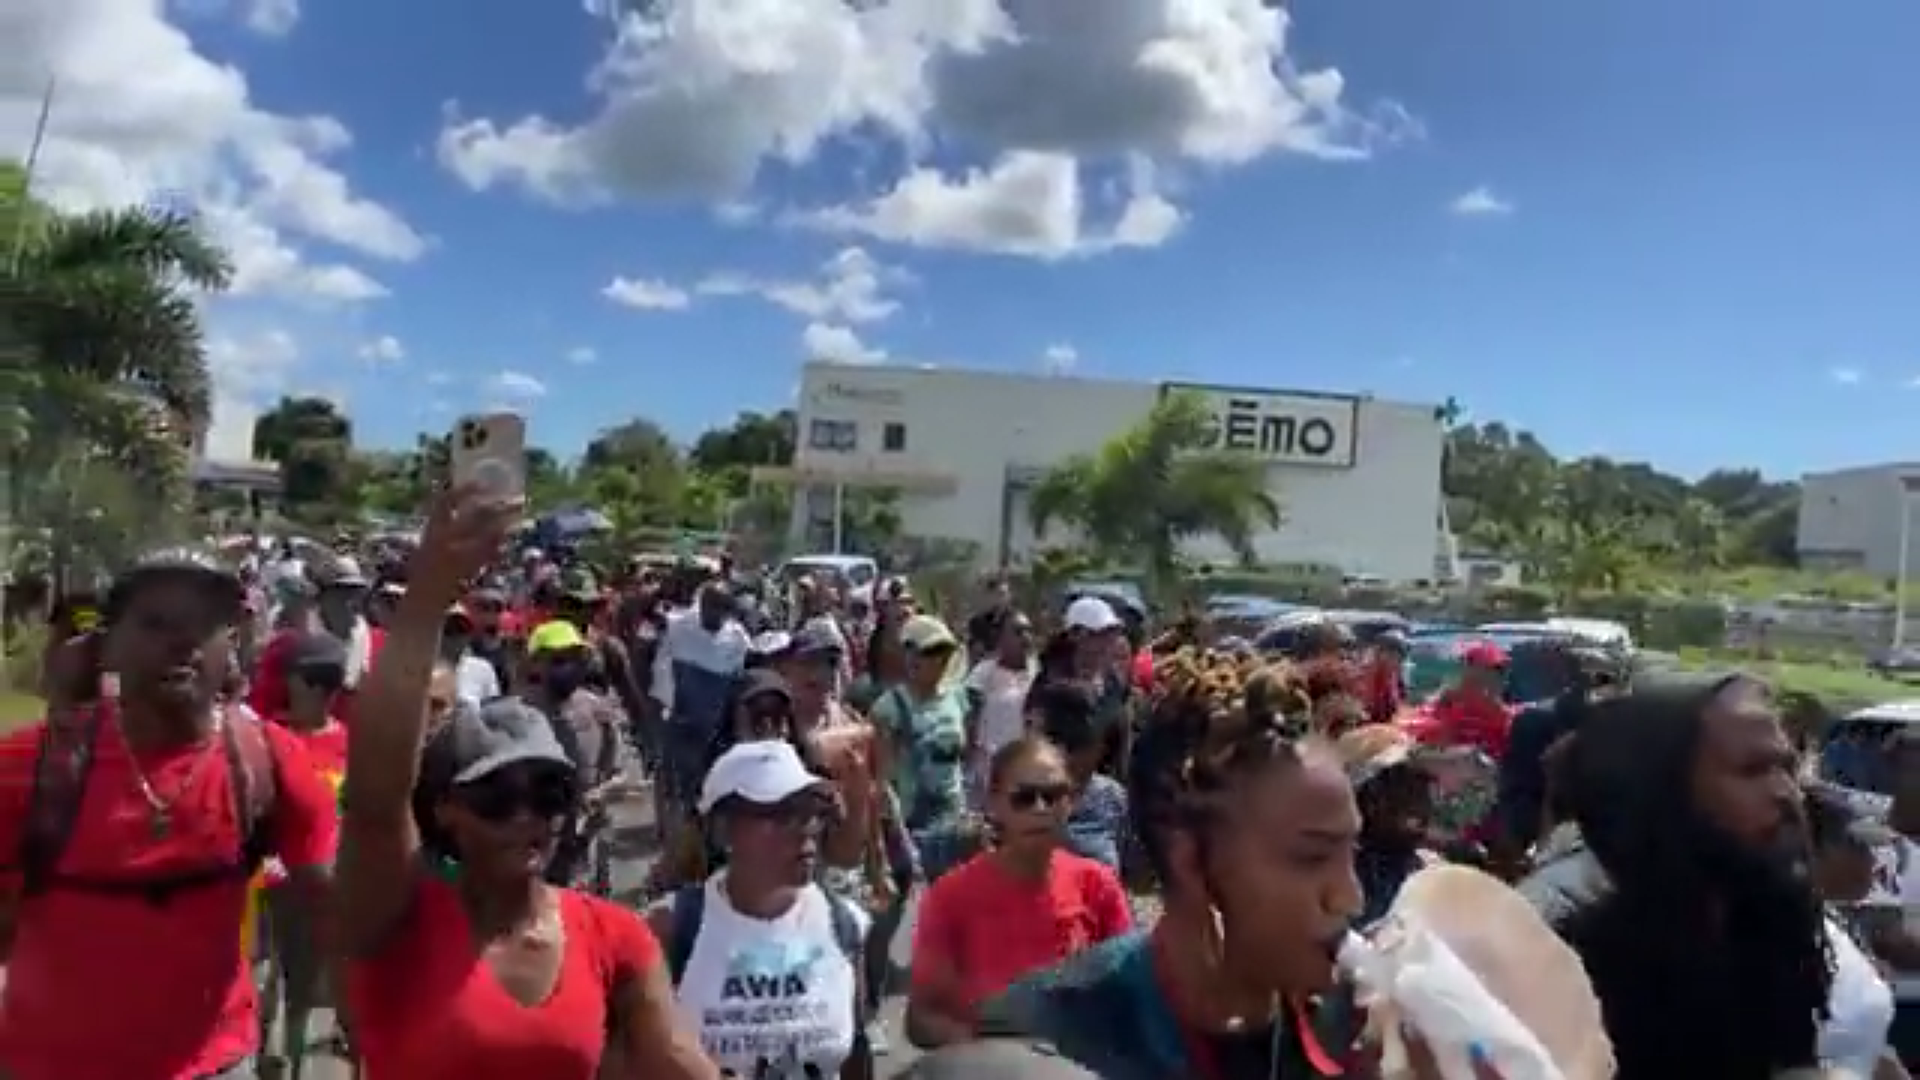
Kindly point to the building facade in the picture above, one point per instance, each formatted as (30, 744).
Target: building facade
(1358, 479)
(1856, 519)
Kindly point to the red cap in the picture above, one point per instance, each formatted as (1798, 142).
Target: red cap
(1484, 654)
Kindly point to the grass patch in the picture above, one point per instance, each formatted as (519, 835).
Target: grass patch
(1840, 687)
(18, 710)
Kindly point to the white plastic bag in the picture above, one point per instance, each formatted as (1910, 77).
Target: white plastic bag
(1440, 998)
(1469, 967)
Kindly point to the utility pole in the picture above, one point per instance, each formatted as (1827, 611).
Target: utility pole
(14, 257)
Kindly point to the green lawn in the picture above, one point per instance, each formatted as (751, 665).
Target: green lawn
(17, 709)
(1842, 688)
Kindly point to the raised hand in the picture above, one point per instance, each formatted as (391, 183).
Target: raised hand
(465, 533)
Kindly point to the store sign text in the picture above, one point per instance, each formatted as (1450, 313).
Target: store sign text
(1287, 429)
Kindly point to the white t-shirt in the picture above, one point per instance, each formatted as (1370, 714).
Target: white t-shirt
(770, 998)
(476, 679)
(1859, 1007)
(1003, 702)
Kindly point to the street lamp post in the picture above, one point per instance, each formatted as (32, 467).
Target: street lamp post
(1908, 486)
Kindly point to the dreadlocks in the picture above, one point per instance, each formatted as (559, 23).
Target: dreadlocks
(1216, 719)
(1707, 959)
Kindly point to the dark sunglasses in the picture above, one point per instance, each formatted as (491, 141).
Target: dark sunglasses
(504, 795)
(1028, 797)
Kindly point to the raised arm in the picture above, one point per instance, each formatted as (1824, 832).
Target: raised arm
(379, 845)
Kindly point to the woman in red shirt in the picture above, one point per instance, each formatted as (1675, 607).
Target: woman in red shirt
(1024, 905)
(466, 964)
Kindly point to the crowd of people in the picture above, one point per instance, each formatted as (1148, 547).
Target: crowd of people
(1125, 853)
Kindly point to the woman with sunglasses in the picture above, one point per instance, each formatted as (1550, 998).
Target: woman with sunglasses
(493, 973)
(767, 962)
(1024, 905)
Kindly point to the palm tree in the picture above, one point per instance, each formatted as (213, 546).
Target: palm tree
(105, 355)
(1154, 486)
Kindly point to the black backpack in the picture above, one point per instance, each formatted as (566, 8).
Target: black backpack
(60, 772)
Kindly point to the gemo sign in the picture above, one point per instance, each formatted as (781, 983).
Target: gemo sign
(1285, 429)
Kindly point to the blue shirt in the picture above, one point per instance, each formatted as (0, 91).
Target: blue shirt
(1097, 826)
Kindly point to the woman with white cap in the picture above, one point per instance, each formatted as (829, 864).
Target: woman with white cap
(482, 970)
(767, 963)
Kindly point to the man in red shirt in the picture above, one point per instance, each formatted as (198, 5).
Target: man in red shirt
(131, 849)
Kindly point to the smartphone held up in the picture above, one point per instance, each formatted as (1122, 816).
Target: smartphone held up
(489, 451)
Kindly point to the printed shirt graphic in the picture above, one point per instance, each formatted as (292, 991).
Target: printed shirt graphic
(930, 743)
(770, 999)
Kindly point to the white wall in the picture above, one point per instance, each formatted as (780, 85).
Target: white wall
(970, 428)
(1856, 512)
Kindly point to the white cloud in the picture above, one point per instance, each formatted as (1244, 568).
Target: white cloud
(696, 97)
(273, 18)
(646, 295)
(439, 378)
(140, 114)
(851, 287)
(516, 386)
(1026, 203)
(582, 355)
(385, 349)
(1846, 376)
(1059, 359)
(838, 344)
(247, 371)
(1480, 202)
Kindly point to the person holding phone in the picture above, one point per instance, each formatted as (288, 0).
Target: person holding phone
(131, 828)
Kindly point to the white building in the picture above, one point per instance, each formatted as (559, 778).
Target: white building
(1358, 479)
(1855, 519)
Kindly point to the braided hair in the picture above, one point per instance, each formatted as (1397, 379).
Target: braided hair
(1216, 719)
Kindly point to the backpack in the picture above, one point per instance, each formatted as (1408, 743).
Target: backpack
(60, 771)
(689, 907)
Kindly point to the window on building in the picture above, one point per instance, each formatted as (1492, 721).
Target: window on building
(833, 436)
(893, 438)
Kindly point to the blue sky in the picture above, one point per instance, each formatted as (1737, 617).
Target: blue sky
(1684, 232)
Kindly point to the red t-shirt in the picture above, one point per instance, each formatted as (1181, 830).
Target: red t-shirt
(429, 1008)
(268, 692)
(103, 987)
(992, 928)
(327, 748)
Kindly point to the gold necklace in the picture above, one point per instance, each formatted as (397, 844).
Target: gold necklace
(159, 810)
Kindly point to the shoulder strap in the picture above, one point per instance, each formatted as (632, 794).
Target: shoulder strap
(250, 762)
(689, 907)
(848, 931)
(59, 782)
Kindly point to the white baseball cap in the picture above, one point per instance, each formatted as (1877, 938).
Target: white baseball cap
(1092, 614)
(764, 773)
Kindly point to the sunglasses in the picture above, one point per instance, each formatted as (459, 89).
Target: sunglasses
(503, 796)
(1029, 797)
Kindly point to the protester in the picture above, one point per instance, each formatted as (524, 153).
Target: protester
(1090, 649)
(760, 708)
(138, 823)
(1472, 711)
(1386, 677)
(1691, 905)
(988, 622)
(1002, 677)
(488, 606)
(696, 662)
(926, 729)
(1024, 905)
(587, 725)
(1097, 824)
(493, 973)
(1250, 835)
(886, 667)
(1394, 791)
(296, 977)
(1860, 1005)
(766, 963)
(476, 677)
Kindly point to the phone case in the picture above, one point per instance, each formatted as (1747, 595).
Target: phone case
(491, 452)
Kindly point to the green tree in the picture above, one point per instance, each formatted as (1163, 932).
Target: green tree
(104, 354)
(1153, 487)
(753, 438)
(312, 442)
